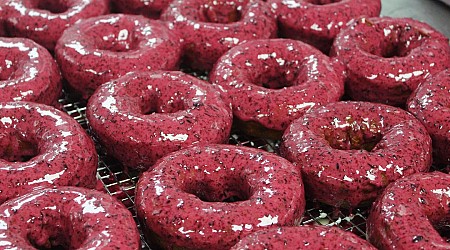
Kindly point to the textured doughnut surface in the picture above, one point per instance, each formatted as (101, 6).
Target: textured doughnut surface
(349, 151)
(183, 200)
(141, 117)
(410, 212)
(151, 9)
(210, 28)
(67, 218)
(387, 58)
(28, 72)
(103, 48)
(303, 237)
(273, 82)
(42, 146)
(430, 103)
(45, 20)
(317, 22)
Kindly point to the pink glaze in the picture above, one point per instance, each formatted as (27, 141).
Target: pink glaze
(141, 117)
(430, 103)
(28, 72)
(303, 237)
(42, 146)
(2, 21)
(183, 200)
(273, 82)
(387, 58)
(408, 212)
(349, 151)
(45, 20)
(103, 48)
(317, 22)
(148, 8)
(210, 28)
(67, 218)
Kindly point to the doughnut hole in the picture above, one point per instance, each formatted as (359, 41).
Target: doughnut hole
(220, 11)
(278, 76)
(120, 37)
(322, 2)
(16, 148)
(169, 103)
(53, 6)
(352, 134)
(443, 228)
(7, 69)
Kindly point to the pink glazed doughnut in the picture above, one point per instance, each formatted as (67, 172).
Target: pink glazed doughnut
(317, 22)
(100, 49)
(42, 146)
(151, 9)
(208, 197)
(28, 72)
(387, 58)
(141, 117)
(45, 20)
(210, 28)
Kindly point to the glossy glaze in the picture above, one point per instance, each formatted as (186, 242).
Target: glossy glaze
(2, 21)
(148, 8)
(273, 82)
(387, 58)
(42, 146)
(28, 72)
(317, 22)
(143, 116)
(405, 215)
(349, 151)
(102, 48)
(430, 103)
(210, 28)
(303, 237)
(44, 25)
(68, 217)
(182, 200)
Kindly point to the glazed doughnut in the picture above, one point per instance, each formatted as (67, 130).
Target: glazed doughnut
(28, 72)
(141, 117)
(411, 213)
(2, 22)
(387, 58)
(67, 218)
(430, 103)
(303, 237)
(349, 151)
(42, 146)
(210, 28)
(103, 48)
(208, 197)
(284, 77)
(317, 22)
(151, 9)
(45, 20)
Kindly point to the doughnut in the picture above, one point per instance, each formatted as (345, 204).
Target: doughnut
(103, 48)
(45, 20)
(317, 22)
(430, 103)
(28, 72)
(151, 9)
(42, 146)
(2, 22)
(412, 213)
(303, 237)
(143, 116)
(349, 151)
(210, 196)
(67, 218)
(210, 28)
(285, 78)
(386, 58)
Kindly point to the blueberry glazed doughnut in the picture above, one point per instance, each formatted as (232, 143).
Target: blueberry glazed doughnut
(208, 197)
(284, 77)
(45, 20)
(141, 117)
(317, 22)
(210, 28)
(412, 213)
(430, 103)
(387, 58)
(67, 218)
(42, 146)
(151, 9)
(349, 151)
(28, 72)
(99, 49)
